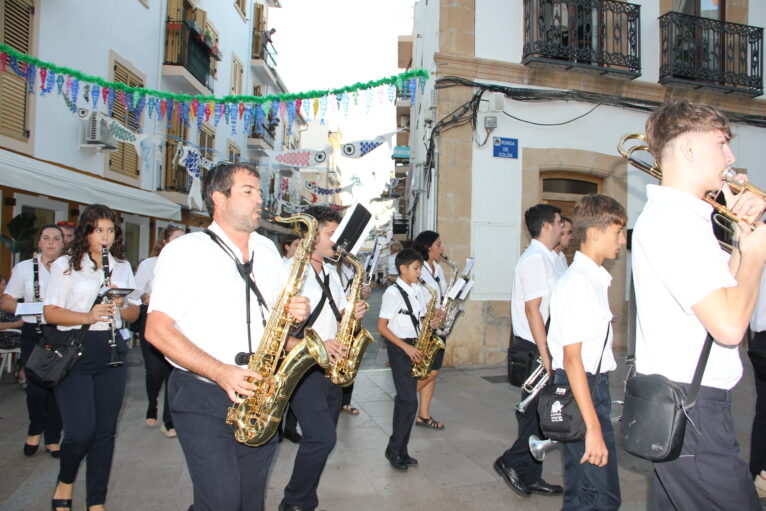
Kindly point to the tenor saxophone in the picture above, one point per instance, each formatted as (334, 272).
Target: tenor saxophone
(427, 342)
(343, 370)
(256, 418)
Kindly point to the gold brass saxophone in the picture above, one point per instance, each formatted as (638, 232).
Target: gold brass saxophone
(343, 370)
(451, 307)
(428, 343)
(256, 418)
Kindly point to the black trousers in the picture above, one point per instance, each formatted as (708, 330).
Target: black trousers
(588, 487)
(518, 456)
(158, 370)
(709, 474)
(347, 391)
(758, 437)
(316, 403)
(406, 400)
(226, 475)
(90, 398)
(44, 415)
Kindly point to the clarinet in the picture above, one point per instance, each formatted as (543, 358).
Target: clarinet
(36, 288)
(114, 360)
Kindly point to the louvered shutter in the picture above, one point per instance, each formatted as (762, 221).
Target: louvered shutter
(125, 159)
(16, 28)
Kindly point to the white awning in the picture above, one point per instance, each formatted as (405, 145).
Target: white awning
(28, 174)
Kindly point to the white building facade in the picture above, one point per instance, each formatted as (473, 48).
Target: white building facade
(562, 81)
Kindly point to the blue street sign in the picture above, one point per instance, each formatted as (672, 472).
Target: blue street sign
(505, 147)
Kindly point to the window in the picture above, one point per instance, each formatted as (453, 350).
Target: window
(234, 153)
(207, 143)
(236, 76)
(16, 24)
(242, 7)
(125, 159)
(176, 177)
(211, 39)
(711, 9)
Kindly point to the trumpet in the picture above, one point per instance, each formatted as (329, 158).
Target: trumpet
(724, 216)
(533, 385)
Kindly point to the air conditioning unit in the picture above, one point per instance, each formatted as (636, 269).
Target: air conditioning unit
(96, 135)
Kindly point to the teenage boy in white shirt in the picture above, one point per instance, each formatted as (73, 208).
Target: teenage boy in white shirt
(399, 324)
(580, 342)
(686, 287)
(533, 280)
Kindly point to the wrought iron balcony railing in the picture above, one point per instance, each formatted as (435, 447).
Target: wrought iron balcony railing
(264, 49)
(184, 47)
(706, 53)
(597, 35)
(267, 133)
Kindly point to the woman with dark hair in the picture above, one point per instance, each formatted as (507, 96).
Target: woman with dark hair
(44, 416)
(430, 246)
(90, 396)
(157, 368)
(288, 245)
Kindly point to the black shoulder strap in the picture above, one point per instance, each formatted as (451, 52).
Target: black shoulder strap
(244, 272)
(606, 338)
(411, 314)
(691, 396)
(325, 285)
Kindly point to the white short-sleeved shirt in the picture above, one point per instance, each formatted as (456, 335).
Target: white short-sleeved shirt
(326, 325)
(145, 276)
(561, 264)
(391, 263)
(758, 321)
(76, 291)
(198, 285)
(533, 277)
(676, 263)
(580, 313)
(435, 280)
(394, 309)
(21, 284)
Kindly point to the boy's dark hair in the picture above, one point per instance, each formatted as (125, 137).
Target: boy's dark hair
(678, 117)
(566, 219)
(599, 211)
(324, 214)
(218, 179)
(406, 257)
(538, 215)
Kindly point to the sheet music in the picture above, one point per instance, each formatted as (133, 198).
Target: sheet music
(29, 309)
(468, 266)
(466, 289)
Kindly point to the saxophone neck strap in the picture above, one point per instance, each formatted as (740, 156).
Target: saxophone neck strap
(325, 285)
(409, 312)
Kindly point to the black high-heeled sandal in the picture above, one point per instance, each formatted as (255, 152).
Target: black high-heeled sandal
(30, 450)
(57, 504)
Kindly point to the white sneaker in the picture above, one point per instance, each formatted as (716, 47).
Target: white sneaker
(760, 486)
(168, 432)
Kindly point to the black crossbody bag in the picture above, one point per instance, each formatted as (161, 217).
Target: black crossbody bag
(56, 352)
(560, 417)
(655, 412)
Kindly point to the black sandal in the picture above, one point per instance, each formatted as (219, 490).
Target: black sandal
(428, 422)
(56, 504)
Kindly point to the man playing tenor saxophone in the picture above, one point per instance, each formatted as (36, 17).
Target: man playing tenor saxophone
(317, 401)
(204, 316)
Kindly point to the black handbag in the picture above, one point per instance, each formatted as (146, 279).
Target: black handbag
(560, 417)
(654, 414)
(54, 356)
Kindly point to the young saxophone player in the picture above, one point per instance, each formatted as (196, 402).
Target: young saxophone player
(580, 342)
(399, 323)
(316, 401)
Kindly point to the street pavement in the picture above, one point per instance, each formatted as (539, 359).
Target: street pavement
(455, 470)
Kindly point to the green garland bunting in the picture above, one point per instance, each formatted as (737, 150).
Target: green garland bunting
(397, 80)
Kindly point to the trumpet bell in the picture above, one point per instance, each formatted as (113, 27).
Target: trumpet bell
(539, 448)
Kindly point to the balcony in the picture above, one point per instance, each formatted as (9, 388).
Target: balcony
(703, 53)
(188, 58)
(263, 140)
(177, 179)
(264, 59)
(599, 36)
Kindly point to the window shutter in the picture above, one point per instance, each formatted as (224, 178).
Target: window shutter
(176, 177)
(207, 143)
(125, 159)
(175, 10)
(16, 27)
(236, 77)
